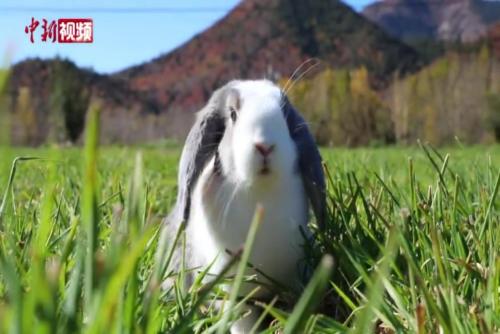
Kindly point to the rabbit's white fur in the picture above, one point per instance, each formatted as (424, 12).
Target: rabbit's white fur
(223, 204)
(221, 223)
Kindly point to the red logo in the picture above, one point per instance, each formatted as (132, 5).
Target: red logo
(69, 30)
(75, 31)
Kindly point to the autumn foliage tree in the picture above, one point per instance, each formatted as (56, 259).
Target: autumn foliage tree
(493, 117)
(452, 99)
(455, 98)
(342, 109)
(27, 124)
(68, 103)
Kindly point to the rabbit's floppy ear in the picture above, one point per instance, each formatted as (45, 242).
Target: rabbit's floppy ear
(309, 160)
(201, 144)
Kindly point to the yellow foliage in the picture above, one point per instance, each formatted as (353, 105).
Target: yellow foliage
(359, 81)
(26, 115)
(446, 100)
(342, 109)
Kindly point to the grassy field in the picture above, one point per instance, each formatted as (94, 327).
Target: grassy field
(414, 236)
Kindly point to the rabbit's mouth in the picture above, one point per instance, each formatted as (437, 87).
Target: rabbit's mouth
(265, 170)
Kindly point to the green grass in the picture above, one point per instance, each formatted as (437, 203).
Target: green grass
(414, 235)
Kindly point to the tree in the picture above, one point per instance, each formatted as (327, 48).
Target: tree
(493, 116)
(447, 100)
(26, 116)
(342, 109)
(69, 103)
(5, 127)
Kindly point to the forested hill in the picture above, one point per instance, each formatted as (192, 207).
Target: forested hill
(462, 21)
(258, 38)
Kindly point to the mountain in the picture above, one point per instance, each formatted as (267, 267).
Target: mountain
(258, 38)
(43, 90)
(268, 38)
(446, 20)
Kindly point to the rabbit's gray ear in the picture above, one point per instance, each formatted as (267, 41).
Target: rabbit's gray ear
(201, 144)
(309, 161)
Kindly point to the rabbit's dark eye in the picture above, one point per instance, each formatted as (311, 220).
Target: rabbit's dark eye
(233, 114)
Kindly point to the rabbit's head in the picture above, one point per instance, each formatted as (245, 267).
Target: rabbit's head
(256, 145)
(253, 136)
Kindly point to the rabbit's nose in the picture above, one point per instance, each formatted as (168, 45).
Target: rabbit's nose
(264, 149)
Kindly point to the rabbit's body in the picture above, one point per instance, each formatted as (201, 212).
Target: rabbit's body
(248, 147)
(221, 214)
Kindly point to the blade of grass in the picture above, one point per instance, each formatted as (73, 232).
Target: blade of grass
(491, 202)
(89, 212)
(117, 282)
(364, 320)
(263, 315)
(310, 298)
(10, 182)
(257, 220)
(182, 326)
(135, 222)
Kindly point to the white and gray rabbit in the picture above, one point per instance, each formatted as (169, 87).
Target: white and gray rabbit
(248, 146)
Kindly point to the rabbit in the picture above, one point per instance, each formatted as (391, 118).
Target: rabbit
(248, 146)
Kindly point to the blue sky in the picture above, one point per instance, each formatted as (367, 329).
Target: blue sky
(125, 32)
